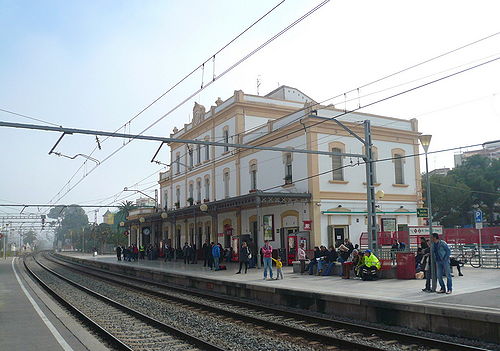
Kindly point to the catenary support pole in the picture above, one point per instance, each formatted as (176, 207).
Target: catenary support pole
(370, 190)
(429, 206)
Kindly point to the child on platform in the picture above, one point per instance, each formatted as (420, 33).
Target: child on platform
(279, 266)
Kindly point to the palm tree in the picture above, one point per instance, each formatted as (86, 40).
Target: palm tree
(125, 207)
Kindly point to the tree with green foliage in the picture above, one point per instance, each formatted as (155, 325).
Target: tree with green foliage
(475, 182)
(72, 219)
(29, 237)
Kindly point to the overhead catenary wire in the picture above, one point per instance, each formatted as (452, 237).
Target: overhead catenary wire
(212, 57)
(227, 70)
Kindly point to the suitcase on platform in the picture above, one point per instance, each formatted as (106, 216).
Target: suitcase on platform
(222, 267)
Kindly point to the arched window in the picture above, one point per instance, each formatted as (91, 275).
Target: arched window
(198, 190)
(207, 188)
(198, 154)
(207, 150)
(225, 135)
(398, 160)
(177, 163)
(226, 182)
(287, 159)
(337, 163)
(253, 174)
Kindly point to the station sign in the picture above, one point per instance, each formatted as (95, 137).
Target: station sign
(424, 230)
(423, 212)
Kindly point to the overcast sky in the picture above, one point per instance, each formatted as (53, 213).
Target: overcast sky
(95, 64)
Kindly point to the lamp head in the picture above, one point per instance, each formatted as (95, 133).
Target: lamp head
(425, 140)
(204, 207)
(380, 194)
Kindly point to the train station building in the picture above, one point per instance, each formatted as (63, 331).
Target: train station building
(227, 195)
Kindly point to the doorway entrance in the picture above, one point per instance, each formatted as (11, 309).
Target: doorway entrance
(337, 233)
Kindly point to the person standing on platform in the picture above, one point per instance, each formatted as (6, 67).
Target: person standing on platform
(119, 253)
(216, 256)
(210, 256)
(267, 253)
(442, 256)
(136, 252)
(425, 264)
(245, 255)
(253, 261)
(301, 255)
(185, 252)
(205, 249)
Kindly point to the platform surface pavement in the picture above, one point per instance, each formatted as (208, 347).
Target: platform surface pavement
(21, 327)
(477, 289)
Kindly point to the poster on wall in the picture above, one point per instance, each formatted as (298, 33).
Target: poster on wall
(268, 227)
(389, 224)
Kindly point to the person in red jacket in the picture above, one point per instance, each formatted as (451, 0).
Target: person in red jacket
(267, 253)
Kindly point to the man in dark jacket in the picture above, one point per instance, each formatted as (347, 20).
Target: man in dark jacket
(314, 261)
(441, 254)
(206, 248)
(119, 253)
(331, 258)
(244, 257)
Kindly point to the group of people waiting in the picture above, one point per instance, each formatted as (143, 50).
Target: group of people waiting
(365, 265)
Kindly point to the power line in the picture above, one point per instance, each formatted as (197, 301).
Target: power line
(227, 70)
(28, 117)
(374, 161)
(212, 57)
(467, 190)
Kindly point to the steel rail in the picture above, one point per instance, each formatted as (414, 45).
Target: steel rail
(139, 315)
(81, 315)
(407, 338)
(293, 331)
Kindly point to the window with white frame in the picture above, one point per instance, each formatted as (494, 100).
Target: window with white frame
(207, 188)
(337, 162)
(177, 163)
(190, 152)
(165, 199)
(225, 134)
(253, 175)
(198, 190)
(398, 168)
(191, 191)
(198, 154)
(207, 151)
(226, 184)
(288, 168)
(178, 196)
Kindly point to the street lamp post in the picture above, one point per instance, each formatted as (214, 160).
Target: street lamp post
(425, 140)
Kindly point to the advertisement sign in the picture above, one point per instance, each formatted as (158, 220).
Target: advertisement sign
(307, 224)
(268, 221)
(424, 230)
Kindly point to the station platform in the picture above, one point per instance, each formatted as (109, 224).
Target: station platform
(472, 311)
(29, 320)
(478, 288)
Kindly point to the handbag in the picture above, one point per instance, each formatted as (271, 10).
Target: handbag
(249, 254)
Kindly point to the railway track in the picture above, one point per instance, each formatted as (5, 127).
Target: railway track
(328, 333)
(121, 326)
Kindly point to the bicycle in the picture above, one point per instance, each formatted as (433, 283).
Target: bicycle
(473, 258)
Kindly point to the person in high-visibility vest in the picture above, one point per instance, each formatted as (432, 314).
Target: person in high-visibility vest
(370, 267)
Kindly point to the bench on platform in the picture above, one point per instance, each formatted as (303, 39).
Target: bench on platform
(387, 271)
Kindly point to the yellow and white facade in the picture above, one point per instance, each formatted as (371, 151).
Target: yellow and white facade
(262, 193)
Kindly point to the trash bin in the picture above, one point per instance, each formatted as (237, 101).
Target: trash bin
(405, 268)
